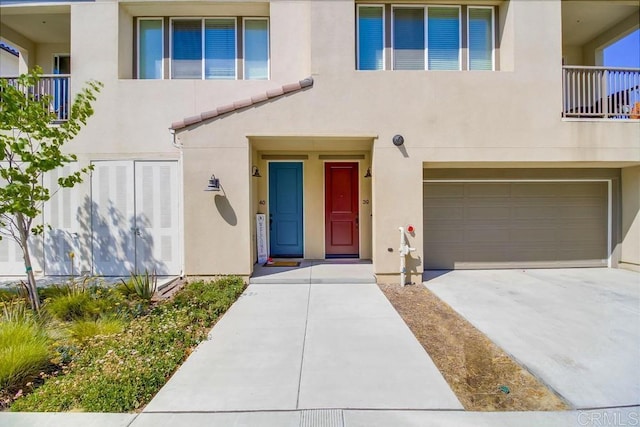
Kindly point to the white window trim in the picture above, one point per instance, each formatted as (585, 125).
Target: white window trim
(138, 47)
(384, 35)
(202, 35)
(244, 49)
(426, 31)
(493, 37)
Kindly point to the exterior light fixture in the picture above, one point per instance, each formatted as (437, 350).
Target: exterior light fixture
(398, 140)
(255, 172)
(214, 184)
(368, 174)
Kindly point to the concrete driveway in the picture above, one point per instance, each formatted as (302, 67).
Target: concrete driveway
(578, 330)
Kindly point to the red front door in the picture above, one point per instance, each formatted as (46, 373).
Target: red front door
(341, 210)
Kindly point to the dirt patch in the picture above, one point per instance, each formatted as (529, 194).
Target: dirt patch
(483, 377)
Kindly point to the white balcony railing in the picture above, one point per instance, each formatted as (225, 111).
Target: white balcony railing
(56, 86)
(601, 92)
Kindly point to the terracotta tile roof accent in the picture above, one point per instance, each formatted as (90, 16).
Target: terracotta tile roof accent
(244, 103)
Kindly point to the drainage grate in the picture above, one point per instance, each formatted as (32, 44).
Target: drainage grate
(321, 418)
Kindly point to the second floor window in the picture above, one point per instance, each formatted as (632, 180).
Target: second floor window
(424, 37)
(203, 48)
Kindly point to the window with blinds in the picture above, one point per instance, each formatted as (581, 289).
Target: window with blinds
(186, 49)
(150, 46)
(203, 48)
(256, 49)
(370, 38)
(443, 48)
(480, 38)
(425, 37)
(408, 39)
(220, 48)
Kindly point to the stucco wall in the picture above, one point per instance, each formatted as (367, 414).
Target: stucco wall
(511, 117)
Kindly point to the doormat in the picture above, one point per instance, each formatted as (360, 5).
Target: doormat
(282, 264)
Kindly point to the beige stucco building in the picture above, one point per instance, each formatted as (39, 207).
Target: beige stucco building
(457, 118)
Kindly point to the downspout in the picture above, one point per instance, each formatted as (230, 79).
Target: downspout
(175, 143)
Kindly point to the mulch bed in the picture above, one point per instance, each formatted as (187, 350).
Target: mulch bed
(483, 377)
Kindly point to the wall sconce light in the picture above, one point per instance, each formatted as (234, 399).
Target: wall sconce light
(398, 140)
(255, 172)
(368, 174)
(214, 184)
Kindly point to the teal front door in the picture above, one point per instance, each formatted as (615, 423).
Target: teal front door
(285, 210)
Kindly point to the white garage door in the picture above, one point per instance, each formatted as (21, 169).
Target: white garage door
(515, 224)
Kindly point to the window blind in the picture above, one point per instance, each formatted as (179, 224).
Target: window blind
(150, 49)
(444, 38)
(480, 39)
(370, 38)
(186, 49)
(220, 48)
(408, 39)
(256, 49)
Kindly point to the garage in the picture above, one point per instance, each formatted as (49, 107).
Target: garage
(515, 224)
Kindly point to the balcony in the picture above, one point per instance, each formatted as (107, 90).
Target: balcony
(601, 93)
(55, 89)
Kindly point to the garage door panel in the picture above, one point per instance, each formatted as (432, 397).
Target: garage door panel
(444, 212)
(444, 190)
(488, 212)
(580, 211)
(488, 190)
(487, 235)
(528, 234)
(515, 224)
(445, 235)
(534, 212)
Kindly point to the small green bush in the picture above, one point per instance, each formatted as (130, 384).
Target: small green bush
(122, 372)
(73, 306)
(24, 351)
(82, 330)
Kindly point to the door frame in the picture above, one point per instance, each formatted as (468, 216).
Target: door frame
(324, 204)
(609, 199)
(304, 202)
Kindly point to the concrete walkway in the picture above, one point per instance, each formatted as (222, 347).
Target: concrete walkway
(316, 271)
(307, 346)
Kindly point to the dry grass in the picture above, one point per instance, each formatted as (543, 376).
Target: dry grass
(475, 368)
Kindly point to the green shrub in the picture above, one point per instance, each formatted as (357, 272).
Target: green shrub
(24, 351)
(16, 310)
(73, 306)
(121, 372)
(82, 330)
(143, 286)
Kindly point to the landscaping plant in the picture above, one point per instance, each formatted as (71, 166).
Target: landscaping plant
(121, 372)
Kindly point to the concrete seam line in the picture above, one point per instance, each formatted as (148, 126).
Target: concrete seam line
(304, 341)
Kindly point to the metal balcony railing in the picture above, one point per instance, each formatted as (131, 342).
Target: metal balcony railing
(56, 87)
(601, 92)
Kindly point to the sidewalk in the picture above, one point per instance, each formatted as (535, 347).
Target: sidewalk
(332, 418)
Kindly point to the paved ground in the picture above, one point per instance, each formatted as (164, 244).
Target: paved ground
(576, 329)
(316, 271)
(629, 416)
(307, 346)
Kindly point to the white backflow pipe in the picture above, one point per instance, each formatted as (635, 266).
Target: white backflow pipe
(404, 250)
